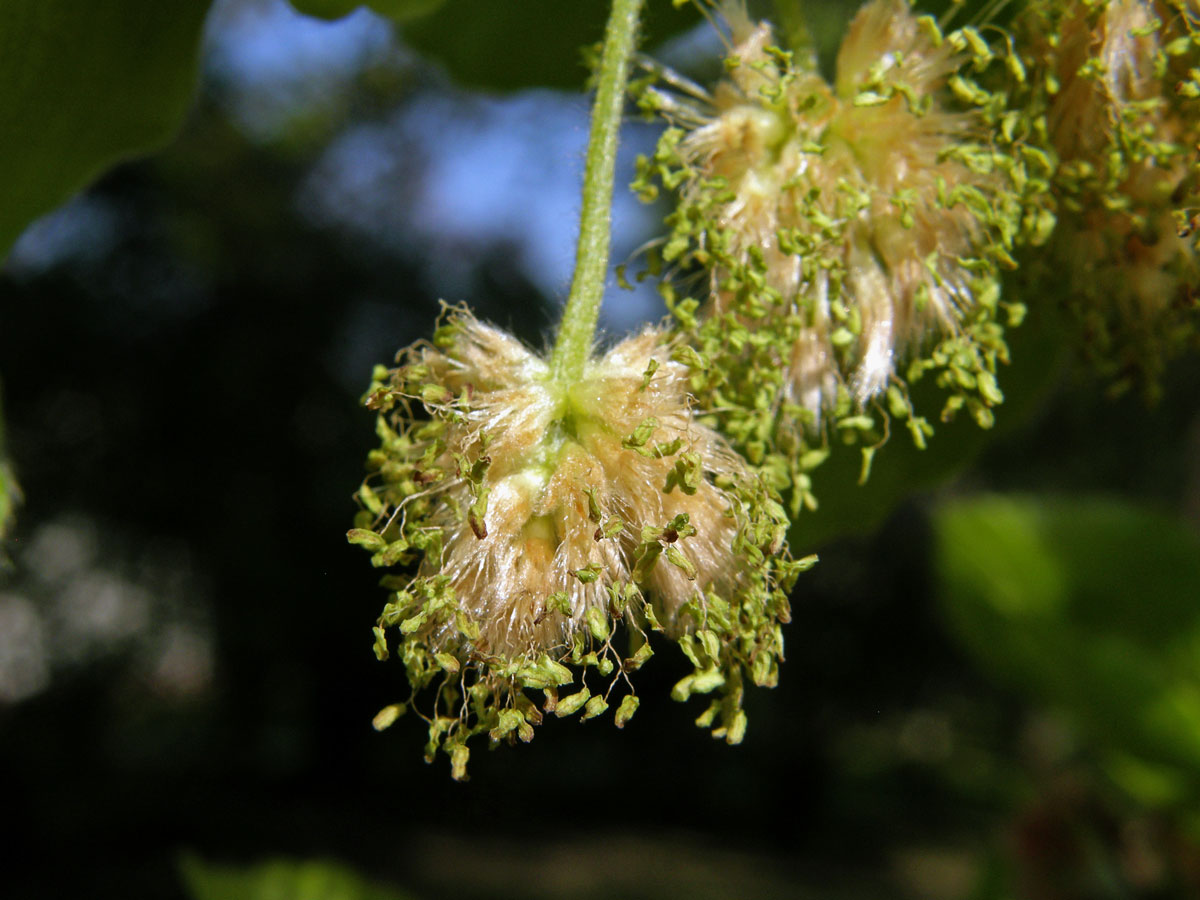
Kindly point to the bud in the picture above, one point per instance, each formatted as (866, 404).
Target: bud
(539, 516)
(853, 233)
(1118, 84)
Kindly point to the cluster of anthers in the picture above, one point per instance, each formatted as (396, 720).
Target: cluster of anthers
(542, 522)
(1118, 83)
(852, 234)
(544, 515)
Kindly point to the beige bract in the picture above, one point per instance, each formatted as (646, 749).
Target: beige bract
(539, 515)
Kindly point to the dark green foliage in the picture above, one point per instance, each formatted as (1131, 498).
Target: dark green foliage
(398, 10)
(1089, 606)
(280, 880)
(507, 45)
(83, 86)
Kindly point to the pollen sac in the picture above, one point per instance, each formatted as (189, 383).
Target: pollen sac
(535, 528)
(851, 234)
(1118, 84)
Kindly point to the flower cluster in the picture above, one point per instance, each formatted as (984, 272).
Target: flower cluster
(1117, 82)
(546, 523)
(539, 516)
(852, 234)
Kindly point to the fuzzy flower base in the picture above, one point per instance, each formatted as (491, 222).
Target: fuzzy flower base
(527, 519)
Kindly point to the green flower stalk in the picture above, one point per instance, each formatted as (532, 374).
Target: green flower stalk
(852, 234)
(543, 516)
(1119, 85)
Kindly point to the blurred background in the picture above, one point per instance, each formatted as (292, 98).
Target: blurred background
(992, 687)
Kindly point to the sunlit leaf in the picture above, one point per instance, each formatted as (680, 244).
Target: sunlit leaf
(83, 86)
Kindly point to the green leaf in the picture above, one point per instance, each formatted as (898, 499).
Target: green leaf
(507, 45)
(84, 86)
(1091, 607)
(397, 10)
(309, 880)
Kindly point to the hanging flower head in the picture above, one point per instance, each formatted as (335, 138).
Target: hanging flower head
(529, 519)
(1119, 83)
(852, 232)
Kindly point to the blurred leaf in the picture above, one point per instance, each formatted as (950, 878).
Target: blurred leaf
(6, 499)
(9, 496)
(1091, 606)
(280, 880)
(397, 10)
(10, 493)
(507, 45)
(83, 86)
